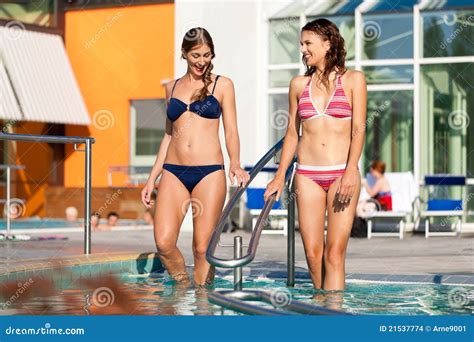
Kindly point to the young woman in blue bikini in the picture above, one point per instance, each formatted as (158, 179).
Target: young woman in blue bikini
(190, 159)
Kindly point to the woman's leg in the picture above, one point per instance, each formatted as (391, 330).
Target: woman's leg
(340, 219)
(311, 201)
(172, 202)
(207, 200)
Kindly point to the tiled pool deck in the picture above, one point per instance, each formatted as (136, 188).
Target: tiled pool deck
(414, 259)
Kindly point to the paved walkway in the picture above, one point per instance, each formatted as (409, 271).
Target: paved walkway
(413, 255)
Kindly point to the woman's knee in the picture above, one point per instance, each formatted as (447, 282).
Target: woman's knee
(199, 251)
(165, 246)
(334, 256)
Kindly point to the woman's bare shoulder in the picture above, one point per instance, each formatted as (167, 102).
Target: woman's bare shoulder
(224, 81)
(298, 83)
(353, 77)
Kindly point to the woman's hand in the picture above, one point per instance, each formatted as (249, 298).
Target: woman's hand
(240, 175)
(276, 185)
(347, 185)
(146, 194)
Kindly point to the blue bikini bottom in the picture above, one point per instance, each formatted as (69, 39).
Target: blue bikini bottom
(190, 176)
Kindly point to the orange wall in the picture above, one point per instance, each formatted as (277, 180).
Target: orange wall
(117, 54)
(30, 183)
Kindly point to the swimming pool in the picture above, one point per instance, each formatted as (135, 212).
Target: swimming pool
(56, 223)
(116, 287)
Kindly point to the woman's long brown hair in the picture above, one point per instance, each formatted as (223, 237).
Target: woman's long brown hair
(335, 56)
(194, 37)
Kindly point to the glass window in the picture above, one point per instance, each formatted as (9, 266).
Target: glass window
(392, 7)
(284, 40)
(389, 130)
(282, 78)
(278, 108)
(389, 74)
(447, 135)
(150, 125)
(448, 33)
(387, 36)
(39, 12)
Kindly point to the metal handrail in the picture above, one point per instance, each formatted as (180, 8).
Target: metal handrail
(88, 141)
(252, 246)
(236, 300)
(8, 168)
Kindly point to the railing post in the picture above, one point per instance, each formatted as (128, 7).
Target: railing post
(7, 204)
(87, 204)
(291, 236)
(238, 270)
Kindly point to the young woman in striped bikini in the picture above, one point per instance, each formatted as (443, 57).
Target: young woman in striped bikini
(329, 103)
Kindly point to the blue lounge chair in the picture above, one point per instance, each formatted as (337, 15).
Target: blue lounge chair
(438, 203)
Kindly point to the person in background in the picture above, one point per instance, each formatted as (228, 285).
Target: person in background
(71, 214)
(380, 191)
(95, 222)
(112, 219)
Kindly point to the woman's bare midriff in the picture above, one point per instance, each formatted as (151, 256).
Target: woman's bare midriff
(324, 142)
(194, 141)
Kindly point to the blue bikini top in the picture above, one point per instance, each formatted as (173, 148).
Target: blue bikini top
(208, 108)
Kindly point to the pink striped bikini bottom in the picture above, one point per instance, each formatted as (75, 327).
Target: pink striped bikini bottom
(324, 176)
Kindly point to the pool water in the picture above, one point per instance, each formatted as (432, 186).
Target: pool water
(157, 294)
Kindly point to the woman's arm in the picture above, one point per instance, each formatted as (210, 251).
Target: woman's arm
(290, 144)
(358, 85)
(160, 158)
(374, 190)
(232, 141)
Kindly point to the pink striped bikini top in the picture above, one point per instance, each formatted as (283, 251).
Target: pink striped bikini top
(338, 106)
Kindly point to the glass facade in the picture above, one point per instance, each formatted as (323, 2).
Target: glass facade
(445, 127)
(389, 130)
(36, 12)
(148, 121)
(448, 33)
(387, 36)
(432, 122)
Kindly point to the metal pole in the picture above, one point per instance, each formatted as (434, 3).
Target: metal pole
(8, 202)
(87, 206)
(291, 237)
(238, 270)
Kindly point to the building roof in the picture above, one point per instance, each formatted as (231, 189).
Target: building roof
(38, 72)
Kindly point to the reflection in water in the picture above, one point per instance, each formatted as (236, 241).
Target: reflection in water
(158, 294)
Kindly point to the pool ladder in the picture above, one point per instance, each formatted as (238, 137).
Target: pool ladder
(236, 299)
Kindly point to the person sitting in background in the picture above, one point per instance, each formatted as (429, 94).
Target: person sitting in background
(95, 222)
(380, 190)
(112, 219)
(71, 214)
